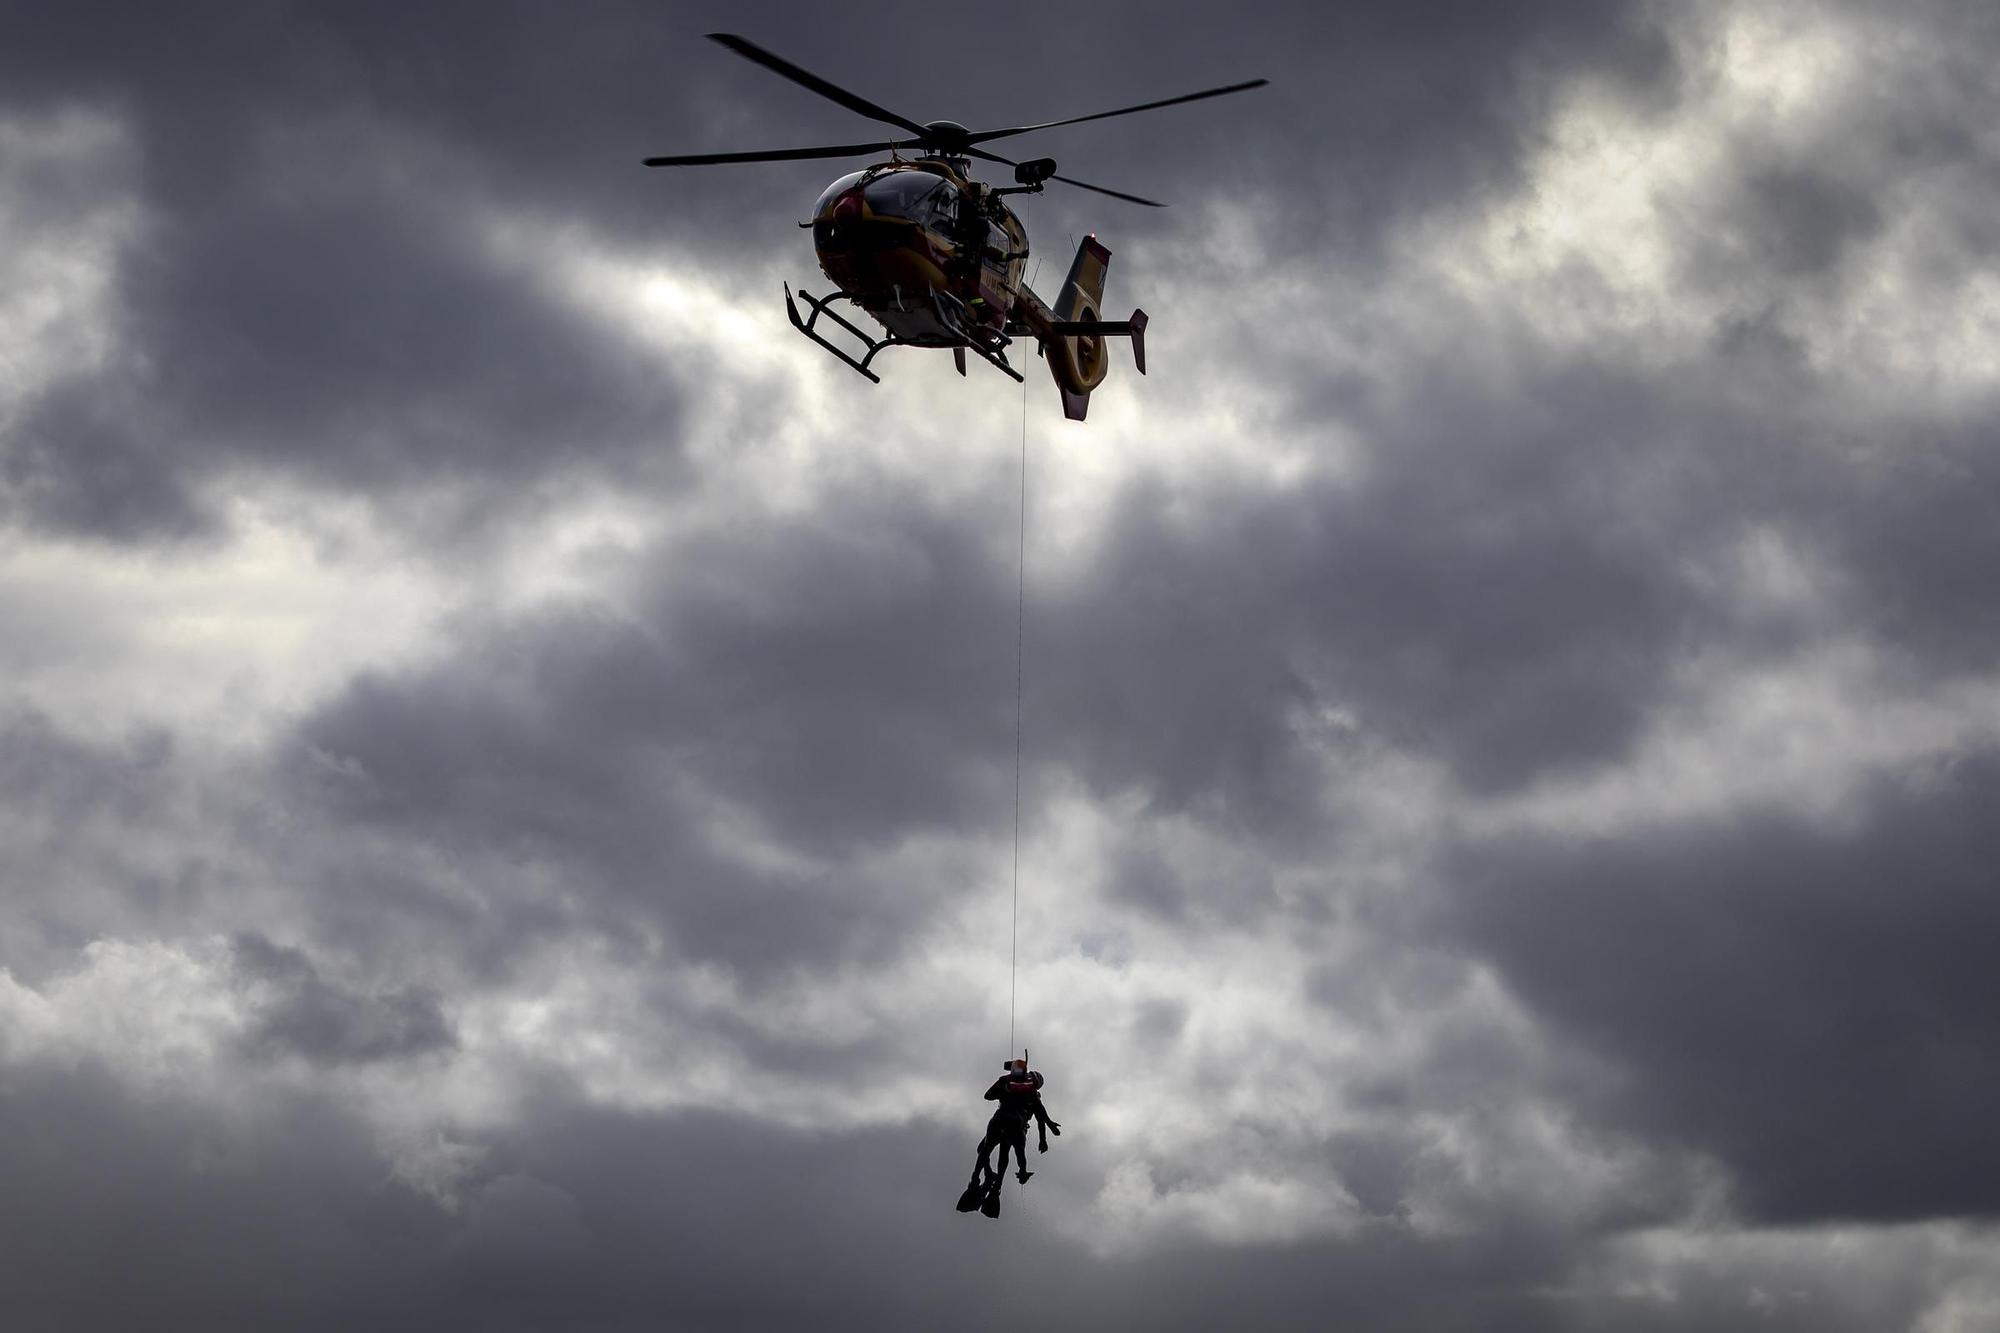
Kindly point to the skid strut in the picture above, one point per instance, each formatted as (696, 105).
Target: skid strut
(952, 312)
(823, 305)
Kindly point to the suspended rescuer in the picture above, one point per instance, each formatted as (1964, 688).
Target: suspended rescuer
(1019, 1092)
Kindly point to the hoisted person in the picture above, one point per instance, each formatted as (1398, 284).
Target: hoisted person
(1019, 1092)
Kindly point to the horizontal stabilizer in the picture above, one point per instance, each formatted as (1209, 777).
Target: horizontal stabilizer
(1133, 328)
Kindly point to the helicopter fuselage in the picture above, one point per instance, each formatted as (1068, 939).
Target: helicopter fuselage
(934, 257)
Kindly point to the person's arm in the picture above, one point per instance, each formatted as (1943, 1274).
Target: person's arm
(1044, 1125)
(999, 1086)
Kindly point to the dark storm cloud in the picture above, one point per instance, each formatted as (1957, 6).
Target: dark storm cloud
(41, 767)
(308, 1016)
(1472, 595)
(1509, 582)
(79, 857)
(311, 290)
(596, 1220)
(844, 681)
(848, 680)
(1149, 880)
(1798, 223)
(77, 464)
(498, 87)
(1787, 221)
(310, 294)
(343, 330)
(605, 1221)
(335, 322)
(1803, 216)
(198, 1216)
(1408, 108)
(1815, 1006)
(589, 1219)
(1915, 539)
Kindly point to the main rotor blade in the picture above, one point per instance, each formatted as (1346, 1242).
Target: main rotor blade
(1067, 180)
(773, 155)
(1115, 194)
(806, 79)
(985, 135)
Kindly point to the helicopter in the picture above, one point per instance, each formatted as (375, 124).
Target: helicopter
(936, 257)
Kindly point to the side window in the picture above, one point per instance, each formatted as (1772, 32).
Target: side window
(944, 208)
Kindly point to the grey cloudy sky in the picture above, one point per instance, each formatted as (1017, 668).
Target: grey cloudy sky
(506, 751)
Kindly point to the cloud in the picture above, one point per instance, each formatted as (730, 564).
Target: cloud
(1802, 1001)
(507, 755)
(269, 315)
(305, 1015)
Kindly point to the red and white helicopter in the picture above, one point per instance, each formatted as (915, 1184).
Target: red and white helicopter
(936, 257)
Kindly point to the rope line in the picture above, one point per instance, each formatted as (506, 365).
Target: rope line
(1020, 655)
(1020, 640)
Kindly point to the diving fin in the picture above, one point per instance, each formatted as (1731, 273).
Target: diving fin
(970, 1199)
(990, 1205)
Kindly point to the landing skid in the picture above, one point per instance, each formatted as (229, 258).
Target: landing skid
(823, 305)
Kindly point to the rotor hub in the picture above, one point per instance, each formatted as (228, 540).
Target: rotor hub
(947, 136)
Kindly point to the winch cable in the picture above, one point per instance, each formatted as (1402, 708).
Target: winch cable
(1020, 654)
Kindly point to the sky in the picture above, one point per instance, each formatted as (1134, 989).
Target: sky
(507, 753)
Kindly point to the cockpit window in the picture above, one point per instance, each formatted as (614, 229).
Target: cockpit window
(904, 194)
(835, 190)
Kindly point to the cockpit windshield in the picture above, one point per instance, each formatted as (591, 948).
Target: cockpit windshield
(922, 197)
(837, 189)
(904, 194)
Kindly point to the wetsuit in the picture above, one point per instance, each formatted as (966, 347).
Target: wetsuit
(1020, 1098)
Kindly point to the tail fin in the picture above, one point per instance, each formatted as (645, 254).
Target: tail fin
(1085, 284)
(1078, 361)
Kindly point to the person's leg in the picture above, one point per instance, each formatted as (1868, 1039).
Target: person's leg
(1020, 1141)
